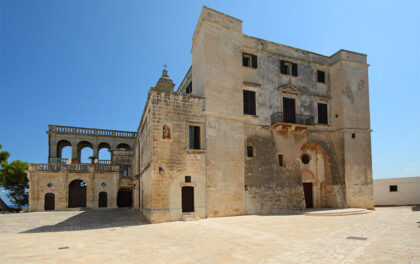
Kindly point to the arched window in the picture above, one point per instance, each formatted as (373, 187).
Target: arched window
(84, 151)
(166, 132)
(123, 146)
(104, 152)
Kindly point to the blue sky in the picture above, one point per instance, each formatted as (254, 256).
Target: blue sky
(90, 63)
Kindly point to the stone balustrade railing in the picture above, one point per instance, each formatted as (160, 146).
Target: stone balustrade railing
(73, 167)
(89, 131)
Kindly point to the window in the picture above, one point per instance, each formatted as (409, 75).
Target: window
(126, 170)
(288, 68)
(249, 102)
(321, 76)
(281, 160)
(249, 60)
(188, 90)
(322, 113)
(305, 158)
(353, 135)
(194, 137)
(249, 151)
(187, 178)
(393, 188)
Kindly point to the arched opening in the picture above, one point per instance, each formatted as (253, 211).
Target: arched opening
(77, 194)
(104, 153)
(166, 132)
(123, 146)
(103, 200)
(84, 151)
(187, 199)
(124, 198)
(64, 150)
(49, 202)
(316, 176)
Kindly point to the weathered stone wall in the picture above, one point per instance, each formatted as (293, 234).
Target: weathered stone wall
(172, 159)
(39, 180)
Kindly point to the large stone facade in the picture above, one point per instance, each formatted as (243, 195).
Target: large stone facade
(255, 127)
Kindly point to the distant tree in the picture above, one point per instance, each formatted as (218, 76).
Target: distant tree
(13, 179)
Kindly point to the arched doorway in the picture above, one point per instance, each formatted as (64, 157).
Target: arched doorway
(124, 198)
(49, 201)
(77, 194)
(103, 200)
(187, 199)
(316, 176)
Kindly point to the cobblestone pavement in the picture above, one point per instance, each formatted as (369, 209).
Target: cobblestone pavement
(387, 235)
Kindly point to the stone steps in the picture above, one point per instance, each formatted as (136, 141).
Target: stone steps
(190, 217)
(337, 212)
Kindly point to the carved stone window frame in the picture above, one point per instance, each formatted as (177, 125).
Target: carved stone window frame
(289, 91)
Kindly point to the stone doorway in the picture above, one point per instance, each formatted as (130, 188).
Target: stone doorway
(103, 200)
(124, 198)
(77, 194)
(307, 190)
(187, 199)
(49, 202)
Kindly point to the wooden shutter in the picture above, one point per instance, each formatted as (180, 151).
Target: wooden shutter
(322, 113)
(196, 137)
(282, 69)
(249, 102)
(294, 69)
(254, 61)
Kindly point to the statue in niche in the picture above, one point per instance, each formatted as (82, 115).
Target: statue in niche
(166, 132)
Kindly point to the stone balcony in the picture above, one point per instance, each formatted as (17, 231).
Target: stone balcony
(89, 131)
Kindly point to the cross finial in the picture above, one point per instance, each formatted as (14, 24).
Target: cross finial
(164, 66)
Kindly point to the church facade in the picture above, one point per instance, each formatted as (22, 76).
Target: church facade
(255, 127)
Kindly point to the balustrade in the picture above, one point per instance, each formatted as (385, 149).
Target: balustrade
(90, 131)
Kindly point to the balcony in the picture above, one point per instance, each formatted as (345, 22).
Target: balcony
(55, 167)
(89, 131)
(291, 119)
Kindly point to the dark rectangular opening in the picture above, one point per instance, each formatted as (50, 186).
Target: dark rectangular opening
(393, 188)
(126, 170)
(322, 113)
(194, 137)
(353, 135)
(187, 178)
(281, 161)
(288, 68)
(321, 76)
(289, 110)
(249, 102)
(249, 151)
(249, 60)
(188, 90)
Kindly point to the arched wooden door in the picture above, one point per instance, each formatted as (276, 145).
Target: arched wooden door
(49, 201)
(103, 199)
(77, 194)
(187, 199)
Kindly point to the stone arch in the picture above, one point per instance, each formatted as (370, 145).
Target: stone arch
(123, 146)
(81, 145)
(316, 171)
(62, 144)
(166, 131)
(104, 145)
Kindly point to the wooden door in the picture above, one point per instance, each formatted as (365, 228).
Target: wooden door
(102, 199)
(289, 110)
(187, 199)
(77, 194)
(49, 202)
(307, 190)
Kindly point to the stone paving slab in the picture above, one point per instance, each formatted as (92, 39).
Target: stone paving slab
(336, 212)
(392, 236)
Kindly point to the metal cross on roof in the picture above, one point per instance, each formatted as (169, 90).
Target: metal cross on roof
(165, 66)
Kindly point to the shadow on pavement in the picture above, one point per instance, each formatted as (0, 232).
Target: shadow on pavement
(415, 208)
(95, 219)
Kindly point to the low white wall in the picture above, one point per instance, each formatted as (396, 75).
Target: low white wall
(408, 192)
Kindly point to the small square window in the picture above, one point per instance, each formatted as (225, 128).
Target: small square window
(321, 77)
(249, 60)
(281, 160)
(393, 188)
(288, 68)
(249, 151)
(187, 178)
(353, 135)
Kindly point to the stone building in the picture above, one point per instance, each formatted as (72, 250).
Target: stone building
(255, 127)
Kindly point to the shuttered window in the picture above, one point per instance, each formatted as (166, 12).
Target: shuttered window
(249, 102)
(249, 151)
(321, 76)
(288, 68)
(194, 133)
(249, 60)
(322, 113)
(188, 90)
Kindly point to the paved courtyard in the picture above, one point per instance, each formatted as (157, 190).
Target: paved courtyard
(387, 235)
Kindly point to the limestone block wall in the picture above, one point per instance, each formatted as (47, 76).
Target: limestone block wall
(172, 158)
(59, 185)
